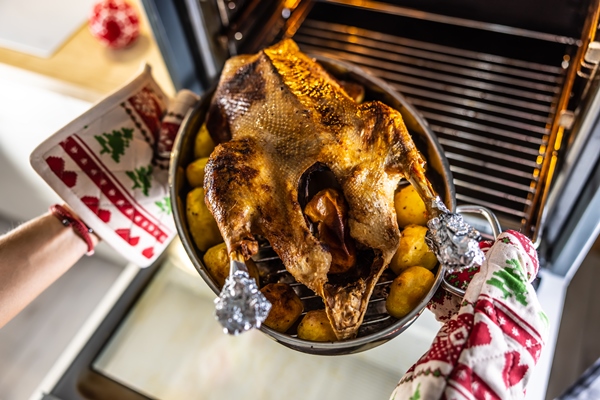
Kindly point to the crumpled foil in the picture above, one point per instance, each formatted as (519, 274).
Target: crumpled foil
(454, 242)
(240, 306)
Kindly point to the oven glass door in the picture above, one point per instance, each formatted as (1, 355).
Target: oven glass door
(169, 346)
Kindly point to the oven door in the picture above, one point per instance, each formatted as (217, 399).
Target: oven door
(154, 336)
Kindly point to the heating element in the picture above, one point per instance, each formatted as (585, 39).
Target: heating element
(492, 113)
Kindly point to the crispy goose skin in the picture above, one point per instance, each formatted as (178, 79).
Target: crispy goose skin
(283, 113)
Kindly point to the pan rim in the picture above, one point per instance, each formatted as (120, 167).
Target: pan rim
(319, 348)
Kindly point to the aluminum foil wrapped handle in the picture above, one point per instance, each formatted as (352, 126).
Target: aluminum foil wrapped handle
(454, 242)
(240, 306)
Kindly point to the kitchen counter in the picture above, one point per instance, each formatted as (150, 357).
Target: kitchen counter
(88, 69)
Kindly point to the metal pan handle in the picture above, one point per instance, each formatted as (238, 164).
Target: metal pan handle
(496, 230)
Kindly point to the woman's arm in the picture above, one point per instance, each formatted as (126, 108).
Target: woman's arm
(32, 257)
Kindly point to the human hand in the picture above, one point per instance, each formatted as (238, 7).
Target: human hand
(110, 166)
(444, 305)
(492, 338)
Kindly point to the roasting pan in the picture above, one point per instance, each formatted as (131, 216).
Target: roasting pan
(378, 327)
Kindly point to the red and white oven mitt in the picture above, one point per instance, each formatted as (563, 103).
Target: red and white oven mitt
(491, 339)
(110, 165)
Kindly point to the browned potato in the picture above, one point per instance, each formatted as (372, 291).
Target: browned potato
(286, 306)
(413, 250)
(216, 261)
(203, 144)
(195, 172)
(407, 290)
(410, 209)
(203, 228)
(315, 326)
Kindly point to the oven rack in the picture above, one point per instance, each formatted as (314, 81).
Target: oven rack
(272, 270)
(492, 114)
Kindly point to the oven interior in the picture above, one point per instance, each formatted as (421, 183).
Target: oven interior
(500, 84)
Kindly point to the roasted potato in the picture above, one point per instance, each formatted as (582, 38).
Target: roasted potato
(410, 209)
(286, 306)
(413, 250)
(203, 227)
(204, 144)
(216, 261)
(195, 172)
(315, 326)
(407, 290)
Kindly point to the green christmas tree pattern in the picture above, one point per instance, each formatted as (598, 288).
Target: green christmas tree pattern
(417, 394)
(115, 143)
(141, 178)
(511, 282)
(164, 205)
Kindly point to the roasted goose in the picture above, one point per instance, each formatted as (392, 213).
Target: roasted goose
(276, 114)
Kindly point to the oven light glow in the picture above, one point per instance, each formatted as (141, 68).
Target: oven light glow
(559, 136)
(351, 30)
(291, 4)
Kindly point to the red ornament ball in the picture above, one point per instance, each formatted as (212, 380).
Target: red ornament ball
(114, 22)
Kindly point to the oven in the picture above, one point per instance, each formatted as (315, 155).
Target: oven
(507, 88)
(511, 89)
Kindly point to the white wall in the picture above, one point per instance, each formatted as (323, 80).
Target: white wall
(31, 109)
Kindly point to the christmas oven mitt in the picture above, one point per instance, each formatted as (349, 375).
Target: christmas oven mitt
(444, 305)
(110, 165)
(489, 347)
